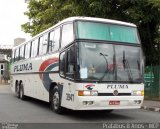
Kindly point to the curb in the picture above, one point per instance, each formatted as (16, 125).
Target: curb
(151, 108)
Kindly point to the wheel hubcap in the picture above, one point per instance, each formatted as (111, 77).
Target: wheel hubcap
(56, 100)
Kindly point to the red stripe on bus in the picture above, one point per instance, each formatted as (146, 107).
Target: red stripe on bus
(46, 63)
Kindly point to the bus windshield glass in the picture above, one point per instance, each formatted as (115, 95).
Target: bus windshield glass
(107, 32)
(109, 62)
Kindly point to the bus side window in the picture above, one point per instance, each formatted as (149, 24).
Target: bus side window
(27, 50)
(51, 42)
(62, 63)
(67, 35)
(70, 63)
(67, 63)
(40, 45)
(34, 48)
(21, 55)
(16, 57)
(12, 59)
(54, 40)
(43, 44)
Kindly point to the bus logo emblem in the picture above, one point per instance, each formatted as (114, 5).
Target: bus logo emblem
(115, 92)
(89, 86)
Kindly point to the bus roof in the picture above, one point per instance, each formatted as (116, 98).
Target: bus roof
(81, 18)
(98, 20)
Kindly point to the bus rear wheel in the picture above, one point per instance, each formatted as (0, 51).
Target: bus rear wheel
(21, 92)
(56, 101)
(17, 90)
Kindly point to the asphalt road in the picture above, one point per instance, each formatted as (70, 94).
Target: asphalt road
(16, 111)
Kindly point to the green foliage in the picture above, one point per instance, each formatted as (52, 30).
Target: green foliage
(144, 13)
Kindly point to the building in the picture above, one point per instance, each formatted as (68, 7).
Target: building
(18, 41)
(26, 1)
(5, 56)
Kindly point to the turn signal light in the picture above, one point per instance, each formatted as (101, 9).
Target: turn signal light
(138, 93)
(87, 93)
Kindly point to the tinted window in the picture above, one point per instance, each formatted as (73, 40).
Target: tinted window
(67, 63)
(43, 44)
(21, 53)
(40, 45)
(34, 48)
(70, 63)
(62, 63)
(16, 54)
(13, 51)
(51, 41)
(54, 40)
(108, 32)
(67, 35)
(27, 50)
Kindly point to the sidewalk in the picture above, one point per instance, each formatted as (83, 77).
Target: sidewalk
(151, 105)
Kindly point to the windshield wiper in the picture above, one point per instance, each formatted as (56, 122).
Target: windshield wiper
(126, 64)
(101, 54)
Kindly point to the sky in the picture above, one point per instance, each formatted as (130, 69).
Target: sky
(11, 18)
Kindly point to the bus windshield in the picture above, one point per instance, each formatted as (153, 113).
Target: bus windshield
(107, 32)
(110, 62)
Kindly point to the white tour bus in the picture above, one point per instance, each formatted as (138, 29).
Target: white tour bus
(81, 63)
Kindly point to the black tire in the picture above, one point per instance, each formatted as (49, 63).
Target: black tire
(17, 90)
(56, 101)
(21, 92)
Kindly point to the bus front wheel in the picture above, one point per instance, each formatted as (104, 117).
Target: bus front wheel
(56, 101)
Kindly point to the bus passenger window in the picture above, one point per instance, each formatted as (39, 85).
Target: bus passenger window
(70, 64)
(43, 44)
(27, 50)
(16, 58)
(62, 63)
(67, 63)
(51, 42)
(12, 59)
(54, 40)
(21, 55)
(34, 48)
(67, 35)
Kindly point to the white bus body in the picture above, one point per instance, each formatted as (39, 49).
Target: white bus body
(52, 76)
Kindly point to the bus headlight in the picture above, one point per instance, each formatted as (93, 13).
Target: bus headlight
(87, 93)
(138, 93)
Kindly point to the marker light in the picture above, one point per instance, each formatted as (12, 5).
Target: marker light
(138, 93)
(87, 93)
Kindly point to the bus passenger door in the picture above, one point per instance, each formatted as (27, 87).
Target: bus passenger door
(67, 71)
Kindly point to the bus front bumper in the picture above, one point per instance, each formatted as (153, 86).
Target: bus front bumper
(108, 102)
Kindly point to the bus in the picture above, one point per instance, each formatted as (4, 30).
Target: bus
(81, 63)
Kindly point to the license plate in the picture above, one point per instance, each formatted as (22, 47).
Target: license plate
(114, 102)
